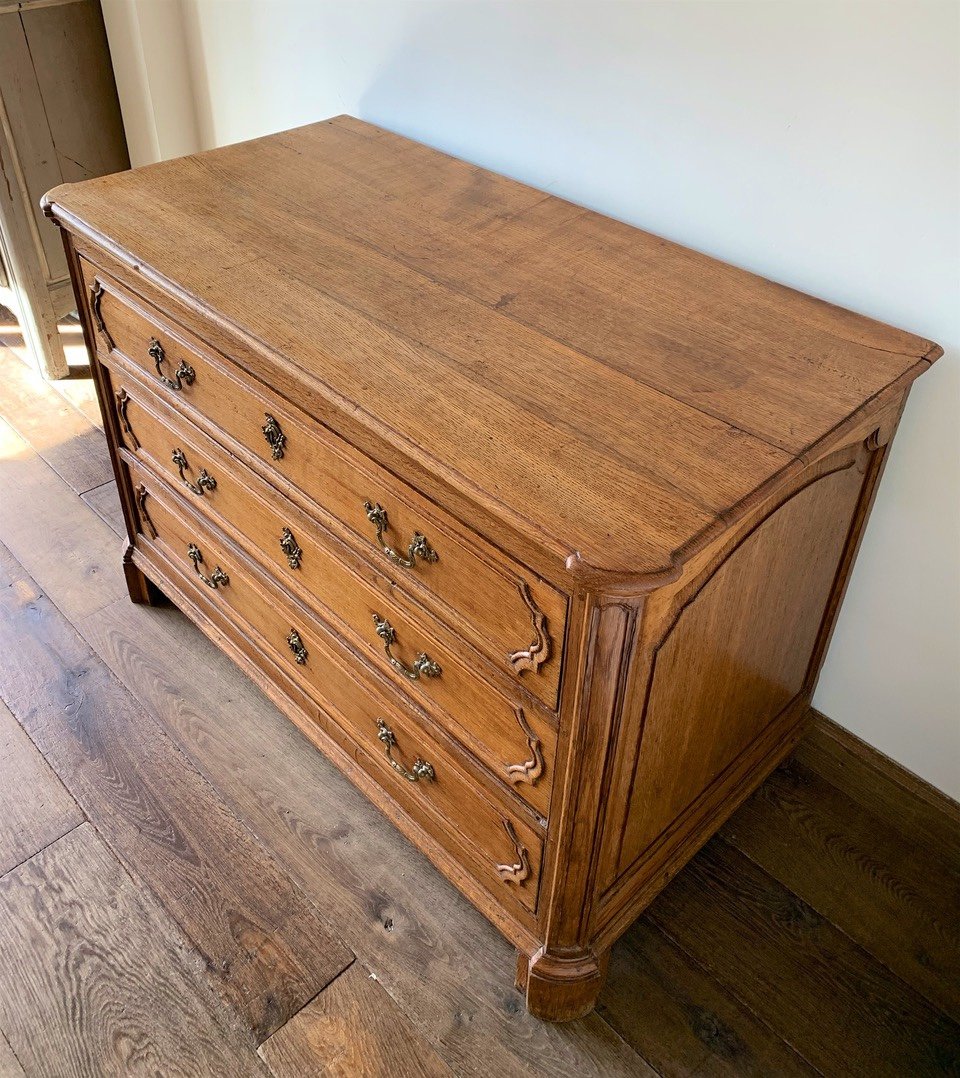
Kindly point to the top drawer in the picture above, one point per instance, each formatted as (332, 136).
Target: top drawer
(508, 612)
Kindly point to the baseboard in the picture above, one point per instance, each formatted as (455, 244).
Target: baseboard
(832, 738)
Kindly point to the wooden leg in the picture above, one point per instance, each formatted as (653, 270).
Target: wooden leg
(561, 988)
(140, 589)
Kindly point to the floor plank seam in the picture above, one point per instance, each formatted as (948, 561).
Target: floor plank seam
(87, 490)
(727, 987)
(907, 986)
(99, 486)
(46, 846)
(12, 1052)
(306, 1003)
(722, 984)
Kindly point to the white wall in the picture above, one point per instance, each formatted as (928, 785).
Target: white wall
(151, 65)
(815, 143)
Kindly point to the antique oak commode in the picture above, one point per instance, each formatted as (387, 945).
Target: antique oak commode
(536, 524)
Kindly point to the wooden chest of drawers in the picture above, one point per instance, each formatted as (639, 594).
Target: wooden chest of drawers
(536, 524)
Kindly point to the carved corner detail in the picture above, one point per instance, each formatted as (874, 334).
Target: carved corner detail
(96, 298)
(534, 656)
(123, 400)
(873, 441)
(518, 872)
(533, 768)
(141, 494)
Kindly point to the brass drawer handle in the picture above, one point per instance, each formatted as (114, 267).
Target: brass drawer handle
(295, 643)
(183, 373)
(205, 480)
(291, 548)
(217, 579)
(423, 665)
(419, 547)
(275, 437)
(420, 770)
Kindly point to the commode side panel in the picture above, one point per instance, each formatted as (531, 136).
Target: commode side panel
(737, 654)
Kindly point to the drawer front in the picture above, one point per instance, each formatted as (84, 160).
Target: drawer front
(496, 844)
(516, 618)
(516, 743)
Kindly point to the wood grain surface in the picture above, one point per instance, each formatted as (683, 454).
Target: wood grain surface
(352, 1030)
(94, 982)
(259, 934)
(482, 314)
(468, 582)
(683, 1021)
(792, 959)
(874, 886)
(663, 464)
(35, 808)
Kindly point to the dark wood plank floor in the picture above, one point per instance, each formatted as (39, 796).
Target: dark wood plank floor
(186, 887)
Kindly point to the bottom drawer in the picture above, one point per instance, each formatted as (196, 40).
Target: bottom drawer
(493, 843)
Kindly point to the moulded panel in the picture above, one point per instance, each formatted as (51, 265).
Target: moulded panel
(737, 654)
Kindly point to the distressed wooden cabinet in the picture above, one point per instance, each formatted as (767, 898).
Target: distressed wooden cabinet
(535, 523)
(59, 120)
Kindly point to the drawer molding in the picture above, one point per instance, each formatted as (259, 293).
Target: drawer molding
(538, 651)
(494, 737)
(122, 398)
(467, 815)
(519, 872)
(141, 494)
(473, 585)
(517, 924)
(530, 771)
(96, 298)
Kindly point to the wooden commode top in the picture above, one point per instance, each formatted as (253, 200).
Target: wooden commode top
(588, 382)
(535, 523)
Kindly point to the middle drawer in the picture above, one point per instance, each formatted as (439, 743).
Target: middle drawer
(514, 740)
